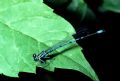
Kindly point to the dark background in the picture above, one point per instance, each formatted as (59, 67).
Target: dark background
(99, 50)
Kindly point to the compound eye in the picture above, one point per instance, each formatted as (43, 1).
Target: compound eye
(34, 55)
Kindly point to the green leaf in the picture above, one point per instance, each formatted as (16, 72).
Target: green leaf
(16, 51)
(111, 5)
(29, 27)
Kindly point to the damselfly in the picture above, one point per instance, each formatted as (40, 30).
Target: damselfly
(45, 53)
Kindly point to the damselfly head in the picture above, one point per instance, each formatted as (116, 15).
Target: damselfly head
(35, 57)
(41, 57)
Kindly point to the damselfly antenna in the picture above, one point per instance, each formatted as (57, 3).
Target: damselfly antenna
(45, 53)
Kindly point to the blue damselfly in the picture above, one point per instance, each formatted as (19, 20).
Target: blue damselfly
(45, 53)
